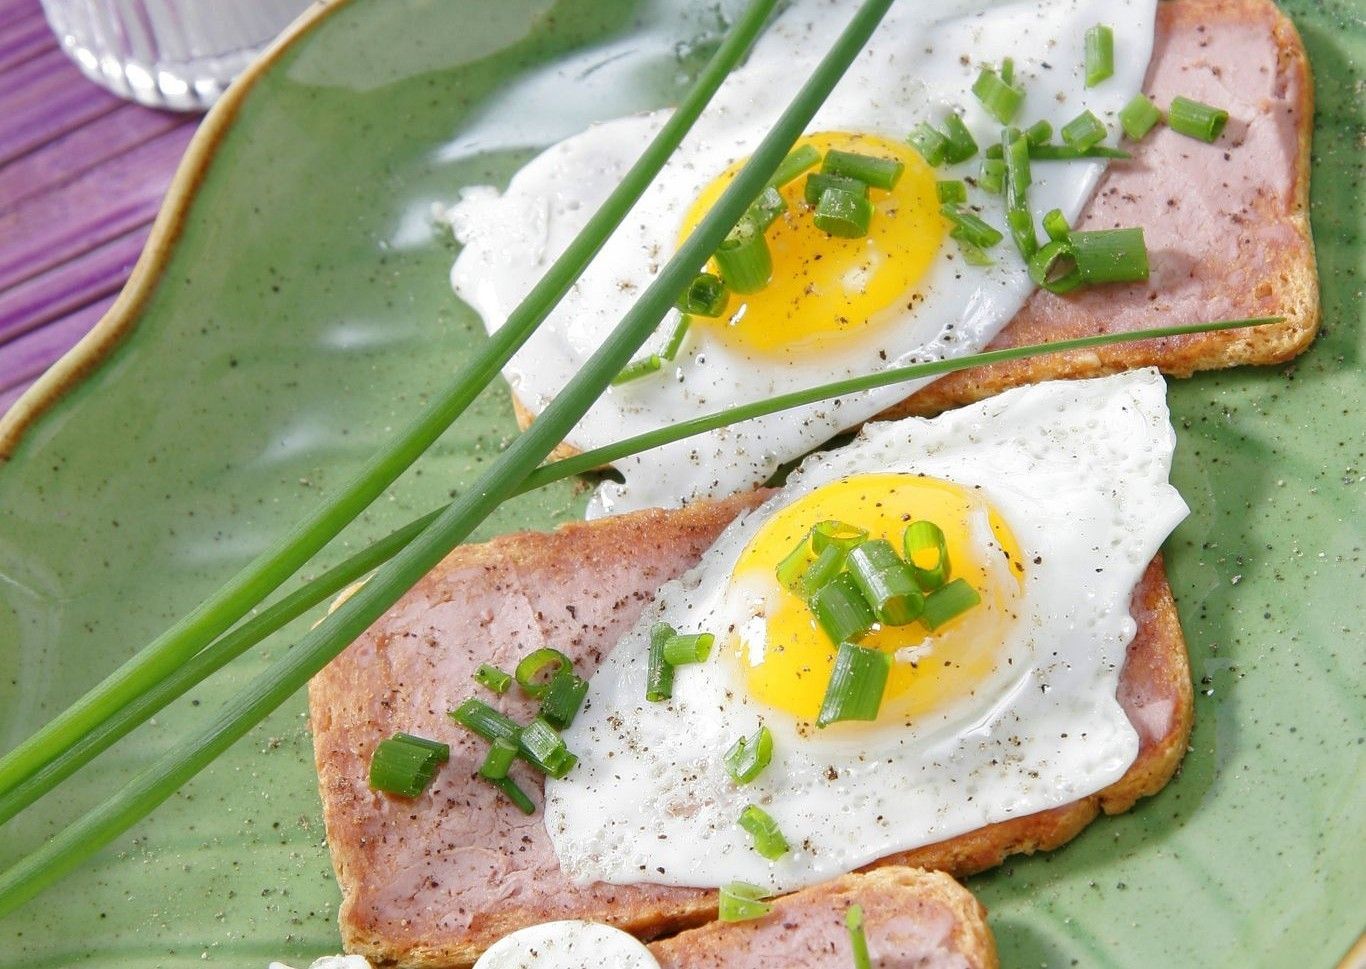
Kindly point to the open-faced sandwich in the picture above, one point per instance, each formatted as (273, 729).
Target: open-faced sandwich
(945, 643)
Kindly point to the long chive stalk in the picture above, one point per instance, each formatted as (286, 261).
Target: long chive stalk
(271, 568)
(329, 583)
(291, 671)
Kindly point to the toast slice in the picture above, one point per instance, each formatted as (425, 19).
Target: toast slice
(1227, 224)
(912, 917)
(433, 881)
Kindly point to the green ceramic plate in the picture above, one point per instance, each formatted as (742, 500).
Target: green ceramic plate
(301, 311)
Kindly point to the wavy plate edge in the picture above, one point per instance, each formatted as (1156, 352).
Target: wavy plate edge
(121, 319)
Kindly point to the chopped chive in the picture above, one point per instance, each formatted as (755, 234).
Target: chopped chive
(1139, 116)
(973, 255)
(858, 941)
(743, 258)
(837, 533)
(677, 337)
(948, 602)
(960, 144)
(1110, 255)
(563, 699)
(1021, 225)
(543, 747)
(843, 214)
(1019, 219)
(797, 161)
(404, 767)
(993, 176)
(794, 564)
(1055, 224)
(1008, 70)
(1196, 120)
(856, 684)
(1018, 174)
(953, 191)
(515, 794)
(748, 756)
(502, 752)
(659, 680)
(705, 296)
(822, 569)
(1100, 54)
(538, 667)
(872, 170)
(930, 142)
(818, 182)
(1038, 133)
(927, 553)
(482, 719)
(493, 678)
(742, 902)
(974, 230)
(1068, 153)
(681, 649)
(637, 369)
(841, 610)
(1000, 97)
(1053, 267)
(768, 840)
(886, 582)
(767, 207)
(439, 751)
(1083, 132)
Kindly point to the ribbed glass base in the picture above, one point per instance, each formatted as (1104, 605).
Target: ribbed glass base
(177, 54)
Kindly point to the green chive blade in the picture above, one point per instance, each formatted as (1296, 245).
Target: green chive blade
(948, 603)
(1139, 116)
(856, 684)
(748, 756)
(843, 214)
(872, 170)
(742, 902)
(768, 839)
(659, 677)
(1196, 120)
(886, 582)
(535, 671)
(1100, 54)
(858, 940)
(841, 610)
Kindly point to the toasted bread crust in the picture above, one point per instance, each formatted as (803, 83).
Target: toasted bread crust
(435, 881)
(1270, 272)
(954, 926)
(1263, 264)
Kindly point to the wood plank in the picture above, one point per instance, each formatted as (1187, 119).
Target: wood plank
(98, 206)
(65, 288)
(51, 166)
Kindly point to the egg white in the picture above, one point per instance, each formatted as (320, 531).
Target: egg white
(920, 64)
(1078, 470)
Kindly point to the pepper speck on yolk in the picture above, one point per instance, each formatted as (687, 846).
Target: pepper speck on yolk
(785, 659)
(825, 288)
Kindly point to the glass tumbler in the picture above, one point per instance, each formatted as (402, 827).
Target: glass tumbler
(178, 54)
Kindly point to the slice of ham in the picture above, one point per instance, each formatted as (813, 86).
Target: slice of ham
(434, 880)
(1226, 224)
(913, 919)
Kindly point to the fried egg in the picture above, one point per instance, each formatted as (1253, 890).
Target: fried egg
(834, 307)
(567, 944)
(1052, 500)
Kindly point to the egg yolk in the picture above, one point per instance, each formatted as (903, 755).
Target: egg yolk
(825, 288)
(785, 658)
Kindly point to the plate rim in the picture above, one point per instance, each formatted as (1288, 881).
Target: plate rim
(119, 321)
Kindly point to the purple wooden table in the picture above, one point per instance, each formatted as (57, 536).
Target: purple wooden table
(81, 176)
